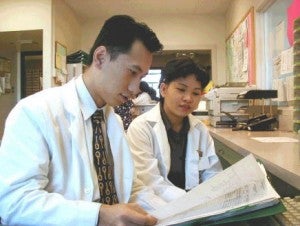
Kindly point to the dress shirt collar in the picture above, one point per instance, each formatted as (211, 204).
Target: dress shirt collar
(87, 103)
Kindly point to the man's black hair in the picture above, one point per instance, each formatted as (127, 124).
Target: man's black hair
(118, 34)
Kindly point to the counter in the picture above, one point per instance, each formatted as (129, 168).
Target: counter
(280, 159)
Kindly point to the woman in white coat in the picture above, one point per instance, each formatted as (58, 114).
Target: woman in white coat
(172, 149)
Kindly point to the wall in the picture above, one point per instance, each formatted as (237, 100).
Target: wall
(60, 24)
(236, 11)
(67, 31)
(26, 15)
(30, 15)
(8, 100)
(184, 32)
(67, 27)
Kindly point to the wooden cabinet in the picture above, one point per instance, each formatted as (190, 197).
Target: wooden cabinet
(228, 157)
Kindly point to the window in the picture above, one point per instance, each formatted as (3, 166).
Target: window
(275, 39)
(153, 78)
(277, 60)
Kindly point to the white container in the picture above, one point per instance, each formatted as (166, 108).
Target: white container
(285, 118)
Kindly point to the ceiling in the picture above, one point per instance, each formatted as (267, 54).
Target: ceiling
(91, 9)
(28, 40)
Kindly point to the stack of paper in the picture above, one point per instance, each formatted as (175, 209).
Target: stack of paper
(241, 188)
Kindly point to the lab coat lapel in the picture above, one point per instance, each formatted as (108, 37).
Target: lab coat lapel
(193, 154)
(76, 121)
(123, 163)
(78, 137)
(161, 135)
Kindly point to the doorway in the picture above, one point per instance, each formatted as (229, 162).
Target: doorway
(12, 44)
(31, 72)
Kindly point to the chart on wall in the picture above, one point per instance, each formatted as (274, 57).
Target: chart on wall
(240, 51)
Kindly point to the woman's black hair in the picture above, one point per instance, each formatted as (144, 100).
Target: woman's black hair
(181, 68)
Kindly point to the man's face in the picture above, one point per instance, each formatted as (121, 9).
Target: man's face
(121, 77)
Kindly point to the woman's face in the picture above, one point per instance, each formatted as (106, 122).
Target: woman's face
(181, 96)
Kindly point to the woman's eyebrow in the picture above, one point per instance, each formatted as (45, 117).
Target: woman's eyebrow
(187, 86)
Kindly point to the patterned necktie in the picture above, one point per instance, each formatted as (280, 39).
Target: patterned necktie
(103, 163)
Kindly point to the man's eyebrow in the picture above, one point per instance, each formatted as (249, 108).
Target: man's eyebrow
(139, 69)
(136, 67)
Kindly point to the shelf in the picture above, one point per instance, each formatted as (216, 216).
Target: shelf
(297, 42)
(296, 31)
(296, 72)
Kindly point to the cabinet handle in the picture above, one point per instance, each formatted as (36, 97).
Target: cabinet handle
(221, 151)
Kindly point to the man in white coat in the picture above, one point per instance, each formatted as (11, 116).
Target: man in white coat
(172, 149)
(47, 174)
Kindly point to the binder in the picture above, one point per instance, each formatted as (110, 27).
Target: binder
(238, 217)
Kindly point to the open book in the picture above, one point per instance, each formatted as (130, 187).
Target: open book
(241, 188)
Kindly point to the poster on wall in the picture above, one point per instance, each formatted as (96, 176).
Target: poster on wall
(60, 56)
(5, 76)
(240, 52)
(60, 63)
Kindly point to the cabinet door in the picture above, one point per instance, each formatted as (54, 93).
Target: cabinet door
(227, 155)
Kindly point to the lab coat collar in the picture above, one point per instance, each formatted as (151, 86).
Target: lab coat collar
(73, 108)
(154, 119)
(70, 98)
(87, 103)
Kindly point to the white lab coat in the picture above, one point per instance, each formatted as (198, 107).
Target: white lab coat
(142, 99)
(45, 176)
(148, 139)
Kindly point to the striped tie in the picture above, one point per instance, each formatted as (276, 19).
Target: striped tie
(103, 164)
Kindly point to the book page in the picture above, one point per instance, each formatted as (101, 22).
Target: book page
(243, 183)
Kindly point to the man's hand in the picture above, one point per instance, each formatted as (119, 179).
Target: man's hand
(124, 214)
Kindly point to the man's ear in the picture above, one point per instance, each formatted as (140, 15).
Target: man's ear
(99, 56)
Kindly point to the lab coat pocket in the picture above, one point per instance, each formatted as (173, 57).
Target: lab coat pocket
(203, 163)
